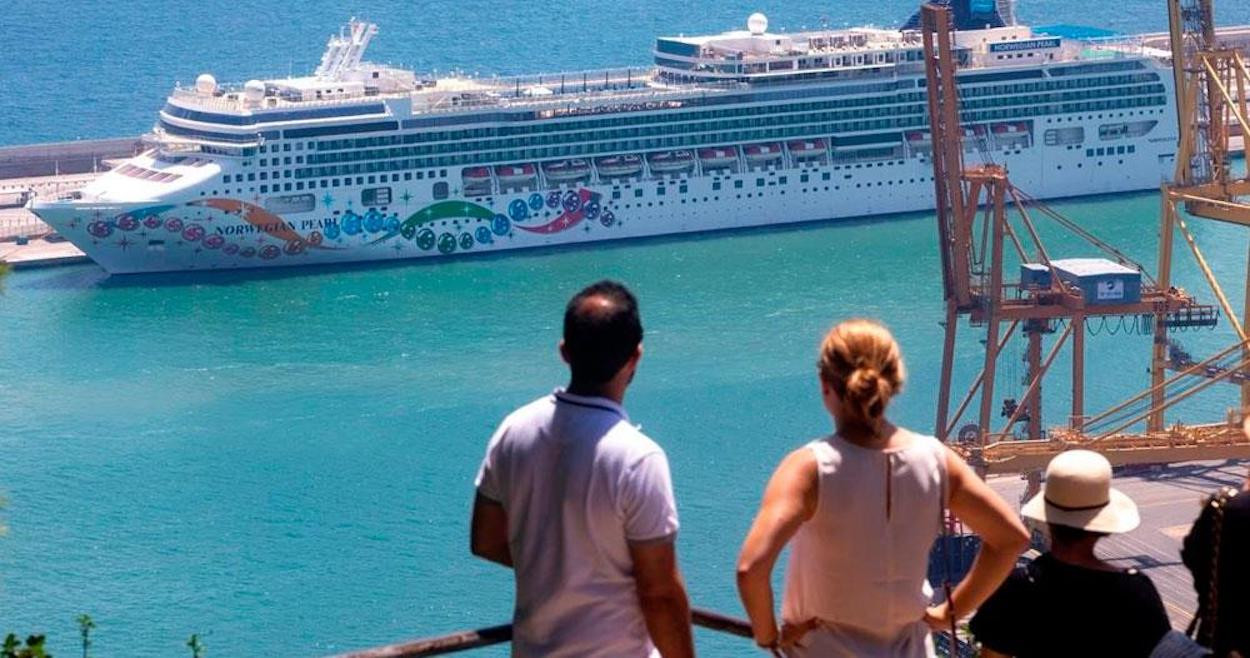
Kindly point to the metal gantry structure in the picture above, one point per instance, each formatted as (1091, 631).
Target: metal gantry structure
(981, 216)
(1211, 85)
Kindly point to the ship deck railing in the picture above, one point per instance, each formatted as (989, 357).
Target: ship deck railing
(581, 87)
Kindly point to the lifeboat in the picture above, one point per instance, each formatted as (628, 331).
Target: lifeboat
(670, 161)
(1011, 129)
(807, 149)
(616, 166)
(476, 176)
(1010, 133)
(718, 157)
(762, 153)
(918, 137)
(566, 170)
(517, 173)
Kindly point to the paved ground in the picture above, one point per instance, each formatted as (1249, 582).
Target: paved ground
(1169, 500)
(40, 253)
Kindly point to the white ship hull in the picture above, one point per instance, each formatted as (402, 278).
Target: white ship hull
(213, 233)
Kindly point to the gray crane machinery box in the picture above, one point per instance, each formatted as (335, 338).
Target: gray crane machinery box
(1102, 282)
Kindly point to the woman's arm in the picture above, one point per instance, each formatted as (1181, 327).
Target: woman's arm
(1003, 538)
(789, 500)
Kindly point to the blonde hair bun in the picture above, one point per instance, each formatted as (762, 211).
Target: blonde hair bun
(862, 362)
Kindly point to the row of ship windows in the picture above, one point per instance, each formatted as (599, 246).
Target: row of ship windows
(669, 119)
(881, 100)
(687, 141)
(1110, 150)
(360, 180)
(1058, 84)
(382, 195)
(915, 120)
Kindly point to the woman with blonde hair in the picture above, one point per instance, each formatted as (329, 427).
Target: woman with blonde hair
(863, 507)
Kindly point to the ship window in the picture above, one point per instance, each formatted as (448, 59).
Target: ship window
(373, 179)
(440, 190)
(251, 178)
(293, 203)
(286, 147)
(759, 182)
(376, 196)
(738, 184)
(360, 180)
(334, 182)
(637, 193)
(616, 194)
(407, 175)
(660, 190)
(716, 185)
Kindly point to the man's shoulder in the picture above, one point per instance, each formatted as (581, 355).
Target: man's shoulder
(535, 412)
(628, 441)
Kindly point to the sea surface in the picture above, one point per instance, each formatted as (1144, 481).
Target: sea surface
(282, 462)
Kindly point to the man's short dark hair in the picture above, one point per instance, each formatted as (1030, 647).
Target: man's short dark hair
(1069, 535)
(599, 338)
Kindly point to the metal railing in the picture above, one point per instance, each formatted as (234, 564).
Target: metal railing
(491, 635)
(23, 225)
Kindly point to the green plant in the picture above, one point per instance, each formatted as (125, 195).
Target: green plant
(85, 624)
(197, 647)
(32, 649)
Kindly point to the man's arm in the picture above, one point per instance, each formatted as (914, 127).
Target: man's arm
(662, 595)
(488, 533)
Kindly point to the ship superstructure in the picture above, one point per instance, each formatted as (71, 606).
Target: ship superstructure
(361, 162)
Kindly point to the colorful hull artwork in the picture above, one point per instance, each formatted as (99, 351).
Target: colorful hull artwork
(222, 233)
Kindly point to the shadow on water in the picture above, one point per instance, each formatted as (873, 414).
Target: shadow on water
(91, 276)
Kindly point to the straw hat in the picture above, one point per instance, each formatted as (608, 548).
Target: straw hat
(1078, 494)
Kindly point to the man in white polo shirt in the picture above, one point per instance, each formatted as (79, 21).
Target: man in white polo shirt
(579, 503)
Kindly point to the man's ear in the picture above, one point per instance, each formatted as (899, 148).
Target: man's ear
(564, 351)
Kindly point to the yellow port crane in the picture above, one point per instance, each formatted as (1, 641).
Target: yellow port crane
(1211, 84)
(976, 231)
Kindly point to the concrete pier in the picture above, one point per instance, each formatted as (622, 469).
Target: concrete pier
(18, 225)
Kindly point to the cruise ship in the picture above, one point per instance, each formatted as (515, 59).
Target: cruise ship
(365, 162)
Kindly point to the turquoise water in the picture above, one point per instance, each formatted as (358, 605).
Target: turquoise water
(282, 462)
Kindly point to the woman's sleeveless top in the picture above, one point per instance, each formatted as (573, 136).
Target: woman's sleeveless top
(859, 564)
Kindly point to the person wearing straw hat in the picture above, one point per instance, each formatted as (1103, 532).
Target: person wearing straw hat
(1069, 601)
